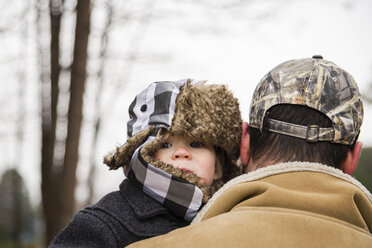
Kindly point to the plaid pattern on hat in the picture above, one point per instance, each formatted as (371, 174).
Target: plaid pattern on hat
(179, 196)
(154, 106)
(315, 83)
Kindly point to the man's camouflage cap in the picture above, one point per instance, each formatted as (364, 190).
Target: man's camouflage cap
(318, 84)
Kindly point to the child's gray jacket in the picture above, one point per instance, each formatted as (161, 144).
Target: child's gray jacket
(118, 219)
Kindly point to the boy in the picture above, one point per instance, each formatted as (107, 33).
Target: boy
(183, 146)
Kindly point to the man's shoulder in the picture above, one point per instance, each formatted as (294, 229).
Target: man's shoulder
(288, 181)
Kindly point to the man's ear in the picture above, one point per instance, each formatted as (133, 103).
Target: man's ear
(245, 154)
(218, 171)
(351, 161)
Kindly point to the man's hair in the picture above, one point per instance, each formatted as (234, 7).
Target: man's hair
(272, 147)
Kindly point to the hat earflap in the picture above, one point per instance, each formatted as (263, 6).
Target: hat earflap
(123, 154)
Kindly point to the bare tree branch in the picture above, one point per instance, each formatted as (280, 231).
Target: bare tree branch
(135, 45)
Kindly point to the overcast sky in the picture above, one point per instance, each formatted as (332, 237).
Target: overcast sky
(235, 44)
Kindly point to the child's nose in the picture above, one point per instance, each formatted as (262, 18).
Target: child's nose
(181, 152)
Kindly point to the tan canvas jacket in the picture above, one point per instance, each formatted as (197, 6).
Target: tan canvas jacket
(285, 205)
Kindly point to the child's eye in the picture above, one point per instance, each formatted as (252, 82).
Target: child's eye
(165, 145)
(196, 144)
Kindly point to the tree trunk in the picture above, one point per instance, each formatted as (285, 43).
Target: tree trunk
(49, 116)
(77, 87)
(52, 191)
(59, 180)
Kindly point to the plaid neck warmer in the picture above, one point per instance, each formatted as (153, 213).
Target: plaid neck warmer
(181, 197)
(156, 106)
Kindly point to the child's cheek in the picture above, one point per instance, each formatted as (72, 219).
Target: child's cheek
(203, 181)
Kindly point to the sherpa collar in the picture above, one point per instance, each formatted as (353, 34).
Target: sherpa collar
(278, 169)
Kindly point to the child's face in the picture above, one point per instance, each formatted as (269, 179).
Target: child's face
(187, 154)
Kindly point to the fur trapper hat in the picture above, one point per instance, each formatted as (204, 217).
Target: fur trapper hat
(205, 112)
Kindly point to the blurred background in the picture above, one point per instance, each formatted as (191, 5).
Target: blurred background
(69, 70)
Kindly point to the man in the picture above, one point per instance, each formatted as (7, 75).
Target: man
(299, 151)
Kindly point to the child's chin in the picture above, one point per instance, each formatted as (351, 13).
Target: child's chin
(204, 182)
